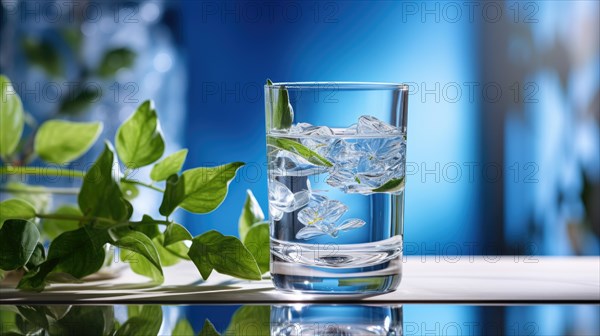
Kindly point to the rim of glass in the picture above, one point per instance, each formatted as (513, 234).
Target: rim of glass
(339, 85)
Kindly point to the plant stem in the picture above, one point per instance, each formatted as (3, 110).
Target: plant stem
(76, 218)
(38, 190)
(150, 186)
(41, 171)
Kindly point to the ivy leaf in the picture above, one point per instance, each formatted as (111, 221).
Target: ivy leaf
(97, 320)
(393, 185)
(114, 60)
(35, 315)
(168, 166)
(208, 329)
(79, 252)
(60, 142)
(173, 196)
(297, 148)
(257, 242)
(52, 228)
(142, 265)
(206, 188)
(139, 243)
(80, 100)
(171, 255)
(15, 209)
(36, 280)
(183, 328)
(43, 54)
(18, 239)
(12, 118)
(251, 214)
(175, 233)
(147, 322)
(100, 194)
(253, 319)
(283, 113)
(226, 254)
(37, 257)
(139, 139)
(149, 227)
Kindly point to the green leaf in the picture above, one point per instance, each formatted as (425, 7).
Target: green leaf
(183, 328)
(251, 214)
(226, 254)
(57, 312)
(35, 315)
(80, 252)
(18, 239)
(393, 185)
(37, 257)
(100, 194)
(283, 113)
(114, 60)
(171, 255)
(59, 141)
(88, 320)
(208, 329)
(250, 320)
(139, 243)
(143, 266)
(139, 139)
(149, 227)
(54, 227)
(43, 54)
(130, 191)
(80, 100)
(168, 166)
(175, 233)
(173, 196)
(15, 209)
(257, 241)
(206, 188)
(36, 280)
(12, 118)
(297, 148)
(147, 322)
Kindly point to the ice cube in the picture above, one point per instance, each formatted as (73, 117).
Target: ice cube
(366, 164)
(371, 125)
(283, 199)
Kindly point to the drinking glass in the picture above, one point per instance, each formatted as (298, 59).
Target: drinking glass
(336, 155)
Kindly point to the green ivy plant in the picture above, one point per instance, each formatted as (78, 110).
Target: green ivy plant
(144, 320)
(103, 213)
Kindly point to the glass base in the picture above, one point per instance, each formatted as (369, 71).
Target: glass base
(336, 285)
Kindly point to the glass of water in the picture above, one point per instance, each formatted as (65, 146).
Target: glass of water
(336, 156)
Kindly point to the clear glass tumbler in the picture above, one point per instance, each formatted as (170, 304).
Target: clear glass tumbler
(336, 156)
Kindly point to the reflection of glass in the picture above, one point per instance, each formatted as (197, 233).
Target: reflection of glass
(336, 160)
(302, 319)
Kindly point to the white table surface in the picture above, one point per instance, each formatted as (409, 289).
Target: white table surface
(427, 279)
